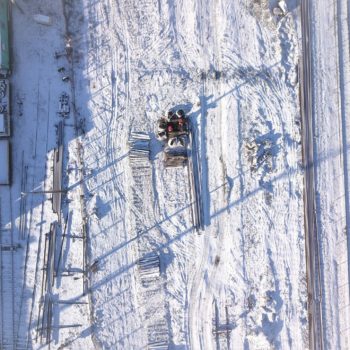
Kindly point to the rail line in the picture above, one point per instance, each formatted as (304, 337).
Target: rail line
(343, 36)
(317, 321)
(311, 232)
(7, 289)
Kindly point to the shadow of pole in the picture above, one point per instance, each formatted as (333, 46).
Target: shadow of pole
(240, 200)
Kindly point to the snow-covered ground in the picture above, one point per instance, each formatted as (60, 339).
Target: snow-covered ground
(136, 61)
(232, 67)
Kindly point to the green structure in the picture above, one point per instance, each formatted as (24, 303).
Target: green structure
(4, 38)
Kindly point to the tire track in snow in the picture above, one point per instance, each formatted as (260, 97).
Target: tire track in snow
(245, 93)
(214, 126)
(199, 299)
(149, 239)
(111, 102)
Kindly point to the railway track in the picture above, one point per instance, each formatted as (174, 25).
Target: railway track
(311, 232)
(7, 289)
(317, 322)
(342, 11)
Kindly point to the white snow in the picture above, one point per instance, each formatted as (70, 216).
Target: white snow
(154, 281)
(141, 60)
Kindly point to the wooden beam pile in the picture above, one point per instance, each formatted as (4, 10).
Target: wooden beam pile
(139, 143)
(159, 345)
(149, 267)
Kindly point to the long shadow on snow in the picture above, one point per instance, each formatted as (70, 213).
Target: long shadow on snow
(44, 140)
(219, 212)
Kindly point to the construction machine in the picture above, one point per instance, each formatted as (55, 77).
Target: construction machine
(173, 131)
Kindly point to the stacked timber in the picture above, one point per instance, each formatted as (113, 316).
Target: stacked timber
(159, 345)
(139, 143)
(157, 335)
(149, 267)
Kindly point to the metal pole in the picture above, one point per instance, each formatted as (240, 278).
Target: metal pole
(43, 192)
